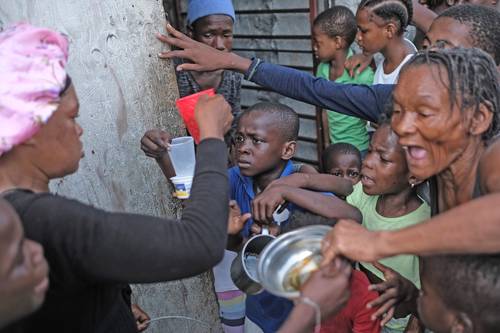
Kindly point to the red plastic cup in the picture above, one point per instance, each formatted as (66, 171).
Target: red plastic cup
(186, 105)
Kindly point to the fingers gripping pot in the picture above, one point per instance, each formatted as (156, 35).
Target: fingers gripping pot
(244, 266)
(287, 262)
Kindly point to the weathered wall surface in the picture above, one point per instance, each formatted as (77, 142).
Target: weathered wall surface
(124, 90)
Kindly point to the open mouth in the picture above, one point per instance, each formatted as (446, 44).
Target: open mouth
(415, 153)
(366, 181)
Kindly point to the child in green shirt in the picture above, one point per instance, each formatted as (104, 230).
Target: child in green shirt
(334, 31)
(388, 200)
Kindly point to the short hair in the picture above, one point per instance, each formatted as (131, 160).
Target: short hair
(399, 10)
(299, 219)
(468, 284)
(472, 79)
(484, 23)
(341, 148)
(337, 21)
(284, 118)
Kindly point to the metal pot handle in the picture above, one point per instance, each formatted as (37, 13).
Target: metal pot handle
(265, 230)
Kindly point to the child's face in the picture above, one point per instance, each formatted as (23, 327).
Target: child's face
(371, 35)
(346, 166)
(324, 46)
(259, 145)
(431, 308)
(214, 30)
(384, 169)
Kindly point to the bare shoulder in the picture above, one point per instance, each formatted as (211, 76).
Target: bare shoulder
(489, 172)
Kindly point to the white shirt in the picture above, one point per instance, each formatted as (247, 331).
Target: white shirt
(391, 78)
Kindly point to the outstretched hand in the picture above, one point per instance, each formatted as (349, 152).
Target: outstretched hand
(204, 57)
(393, 291)
(265, 203)
(155, 143)
(236, 219)
(351, 240)
(329, 287)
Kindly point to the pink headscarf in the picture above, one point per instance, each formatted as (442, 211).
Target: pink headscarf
(32, 76)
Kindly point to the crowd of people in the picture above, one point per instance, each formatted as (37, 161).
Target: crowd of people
(409, 184)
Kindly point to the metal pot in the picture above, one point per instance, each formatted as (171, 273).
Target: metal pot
(288, 261)
(244, 266)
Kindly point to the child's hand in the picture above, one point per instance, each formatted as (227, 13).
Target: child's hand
(274, 229)
(357, 63)
(155, 143)
(141, 317)
(266, 203)
(329, 287)
(213, 115)
(236, 221)
(393, 291)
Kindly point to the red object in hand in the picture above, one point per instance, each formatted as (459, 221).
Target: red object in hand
(186, 109)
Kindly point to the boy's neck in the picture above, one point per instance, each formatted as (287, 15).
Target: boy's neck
(261, 181)
(395, 53)
(398, 204)
(337, 64)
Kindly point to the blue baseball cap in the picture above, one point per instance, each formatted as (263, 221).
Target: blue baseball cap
(201, 8)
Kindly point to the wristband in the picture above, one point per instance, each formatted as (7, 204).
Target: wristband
(251, 70)
(317, 311)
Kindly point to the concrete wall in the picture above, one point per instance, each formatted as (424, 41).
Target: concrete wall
(124, 90)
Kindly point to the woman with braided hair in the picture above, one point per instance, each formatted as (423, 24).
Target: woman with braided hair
(448, 122)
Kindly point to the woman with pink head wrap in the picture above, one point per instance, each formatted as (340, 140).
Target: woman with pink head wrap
(32, 68)
(92, 253)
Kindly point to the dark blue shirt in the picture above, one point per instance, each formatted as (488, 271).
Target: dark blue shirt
(269, 312)
(362, 101)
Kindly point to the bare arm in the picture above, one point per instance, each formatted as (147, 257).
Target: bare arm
(472, 227)
(329, 289)
(317, 182)
(264, 205)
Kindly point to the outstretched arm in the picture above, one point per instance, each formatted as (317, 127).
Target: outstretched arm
(316, 182)
(362, 101)
(472, 227)
(264, 205)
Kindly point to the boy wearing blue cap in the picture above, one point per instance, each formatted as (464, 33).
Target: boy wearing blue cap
(211, 22)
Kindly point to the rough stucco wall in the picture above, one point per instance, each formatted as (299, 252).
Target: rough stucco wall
(123, 90)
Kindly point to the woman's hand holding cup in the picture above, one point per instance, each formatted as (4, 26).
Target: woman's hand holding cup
(213, 115)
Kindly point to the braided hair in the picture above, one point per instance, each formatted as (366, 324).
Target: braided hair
(484, 25)
(472, 80)
(399, 10)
